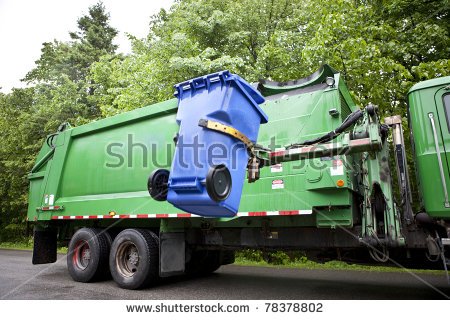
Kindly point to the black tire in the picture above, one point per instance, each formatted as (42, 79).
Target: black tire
(109, 239)
(88, 252)
(157, 184)
(212, 262)
(203, 262)
(134, 259)
(227, 257)
(218, 182)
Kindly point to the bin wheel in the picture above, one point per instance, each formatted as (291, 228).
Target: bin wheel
(134, 259)
(87, 258)
(218, 182)
(157, 184)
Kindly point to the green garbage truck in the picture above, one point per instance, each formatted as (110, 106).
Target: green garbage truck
(325, 176)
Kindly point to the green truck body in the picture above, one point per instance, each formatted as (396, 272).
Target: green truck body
(95, 177)
(103, 167)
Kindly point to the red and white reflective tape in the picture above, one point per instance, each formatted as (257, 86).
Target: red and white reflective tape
(182, 215)
(50, 208)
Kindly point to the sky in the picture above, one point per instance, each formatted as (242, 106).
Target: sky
(26, 24)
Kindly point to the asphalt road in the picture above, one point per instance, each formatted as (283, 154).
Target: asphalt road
(19, 279)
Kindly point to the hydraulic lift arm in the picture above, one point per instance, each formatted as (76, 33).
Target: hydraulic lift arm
(366, 136)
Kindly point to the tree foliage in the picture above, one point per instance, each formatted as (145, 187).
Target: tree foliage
(59, 91)
(382, 47)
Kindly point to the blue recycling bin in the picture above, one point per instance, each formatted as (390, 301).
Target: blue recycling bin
(209, 167)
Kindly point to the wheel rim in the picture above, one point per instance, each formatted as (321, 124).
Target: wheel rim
(127, 259)
(81, 255)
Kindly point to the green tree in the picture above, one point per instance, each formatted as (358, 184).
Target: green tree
(17, 153)
(63, 66)
(254, 38)
(381, 47)
(60, 92)
(93, 39)
(423, 35)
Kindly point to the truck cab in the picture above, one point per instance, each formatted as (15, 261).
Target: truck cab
(429, 117)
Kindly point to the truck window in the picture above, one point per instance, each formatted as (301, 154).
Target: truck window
(446, 101)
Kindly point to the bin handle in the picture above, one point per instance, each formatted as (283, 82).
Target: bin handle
(438, 153)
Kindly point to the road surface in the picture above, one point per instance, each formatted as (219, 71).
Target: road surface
(19, 279)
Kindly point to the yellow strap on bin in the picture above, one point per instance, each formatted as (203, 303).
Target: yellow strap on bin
(220, 127)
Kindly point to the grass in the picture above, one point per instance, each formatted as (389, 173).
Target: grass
(20, 245)
(25, 245)
(330, 265)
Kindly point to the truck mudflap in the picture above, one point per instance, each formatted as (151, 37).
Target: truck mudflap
(172, 253)
(45, 245)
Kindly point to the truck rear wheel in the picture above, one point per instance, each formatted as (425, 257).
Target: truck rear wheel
(134, 259)
(203, 262)
(87, 258)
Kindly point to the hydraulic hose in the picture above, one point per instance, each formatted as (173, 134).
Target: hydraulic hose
(351, 119)
(378, 255)
(50, 139)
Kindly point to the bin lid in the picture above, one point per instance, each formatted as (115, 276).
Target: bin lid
(204, 81)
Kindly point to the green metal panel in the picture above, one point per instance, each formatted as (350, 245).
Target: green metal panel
(37, 178)
(268, 88)
(425, 101)
(306, 183)
(86, 179)
(80, 177)
(437, 82)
